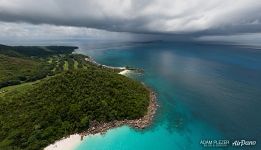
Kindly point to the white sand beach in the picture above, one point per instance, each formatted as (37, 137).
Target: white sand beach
(69, 143)
(125, 72)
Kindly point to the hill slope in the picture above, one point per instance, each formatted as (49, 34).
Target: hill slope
(19, 64)
(65, 104)
(14, 70)
(56, 93)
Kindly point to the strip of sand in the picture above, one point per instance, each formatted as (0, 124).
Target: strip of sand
(69, 143)
(125, 72)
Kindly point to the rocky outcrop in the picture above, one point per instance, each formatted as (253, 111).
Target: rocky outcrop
(141, 123)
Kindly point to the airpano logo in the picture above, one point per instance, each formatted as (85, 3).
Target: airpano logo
(243, 143)
(227, 143)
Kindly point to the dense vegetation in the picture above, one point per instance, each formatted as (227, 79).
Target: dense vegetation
(15, 70)
(24, 64)
(36, 114)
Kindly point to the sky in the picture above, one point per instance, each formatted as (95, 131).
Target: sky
(230, 20)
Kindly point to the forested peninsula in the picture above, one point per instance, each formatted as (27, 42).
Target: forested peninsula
(49, 92)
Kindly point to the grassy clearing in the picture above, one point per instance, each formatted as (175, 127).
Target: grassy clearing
(50, 61)
(8, 92)
(66, 65)
(14, 70)
(75, 64)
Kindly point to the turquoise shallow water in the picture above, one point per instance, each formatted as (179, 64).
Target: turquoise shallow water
(205, 91)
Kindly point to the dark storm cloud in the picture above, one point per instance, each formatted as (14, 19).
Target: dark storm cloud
(194, 17)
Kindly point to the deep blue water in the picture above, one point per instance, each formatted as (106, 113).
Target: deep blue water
(205, 91)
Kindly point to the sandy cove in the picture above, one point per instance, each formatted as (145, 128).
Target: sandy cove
(125, 72)
(91, 60)
(121, 70)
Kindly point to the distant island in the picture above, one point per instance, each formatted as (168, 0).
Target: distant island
(49, 92)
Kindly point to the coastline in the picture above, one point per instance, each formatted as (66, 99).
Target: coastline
(124, 72)
(140, 123)
(91, 60)
(72, 141)
(68, 143)
(120, 70)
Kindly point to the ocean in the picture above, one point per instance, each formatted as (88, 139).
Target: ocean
(206, 92)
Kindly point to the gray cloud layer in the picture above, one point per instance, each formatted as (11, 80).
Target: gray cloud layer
(191, 17)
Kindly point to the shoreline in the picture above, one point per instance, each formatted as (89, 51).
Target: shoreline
(140, 123)
(121, 70)
(124, 72)
(72, 141)
(104, 66)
